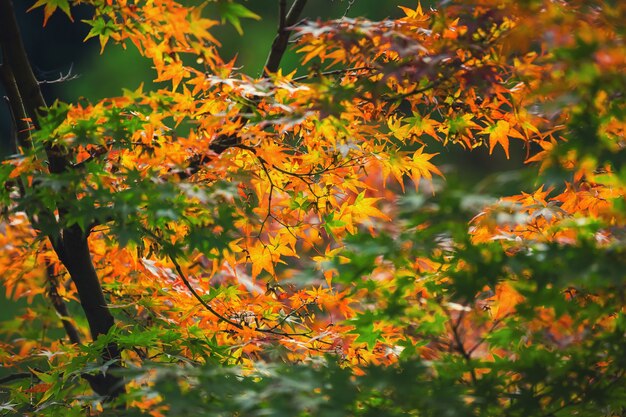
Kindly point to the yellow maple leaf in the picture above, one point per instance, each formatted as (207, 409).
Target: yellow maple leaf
(398, 130)
(363, 208)
(410, 13)
(260, 258)
(498, 134)
(396, 165)
(422, 167)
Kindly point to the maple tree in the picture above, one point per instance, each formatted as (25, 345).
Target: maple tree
(294, 243)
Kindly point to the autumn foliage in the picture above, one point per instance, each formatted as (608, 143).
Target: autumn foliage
(297, 243)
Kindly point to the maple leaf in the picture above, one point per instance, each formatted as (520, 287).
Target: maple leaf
(396, 164)
(498, 134)
(199, 26)
(397, 129)
(505, 298)
(233, 12)
(50, 6)
(420, 125)
(422, 167)
(362, 208)
(261, 258)
(102, 28)
(460, 125)
(412, 14)
(543, 155)
(174, 71)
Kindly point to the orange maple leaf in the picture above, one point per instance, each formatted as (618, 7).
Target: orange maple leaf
(422, 167)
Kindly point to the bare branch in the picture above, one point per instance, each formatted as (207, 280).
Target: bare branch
(62, 77)
(19, 117)
(59, 304)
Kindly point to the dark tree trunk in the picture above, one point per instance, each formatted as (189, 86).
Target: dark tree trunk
(71, 246)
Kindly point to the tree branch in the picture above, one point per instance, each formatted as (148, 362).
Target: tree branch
(279, 46)
(285, 21)
(14, 56)
(59, 304)
(211, 310)
(14, 377)
(459, 345)
(73, 250)
(19, 116)
(332, 72)
(193, 292)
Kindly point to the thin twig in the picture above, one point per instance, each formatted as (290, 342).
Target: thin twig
(292, 313)
(183, 278)
(332, 72)
(460, 347)
(93, 154)
(62, 77)
(210, 309)
(484, 338)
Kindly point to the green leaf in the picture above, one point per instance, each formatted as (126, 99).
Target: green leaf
(233, 12)
(330, 222)
(44, 377)
(364, 328)
(101, 28)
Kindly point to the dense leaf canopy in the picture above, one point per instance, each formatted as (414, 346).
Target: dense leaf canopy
(307, 243)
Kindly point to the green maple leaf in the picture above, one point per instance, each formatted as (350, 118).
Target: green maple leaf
(233, 12)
